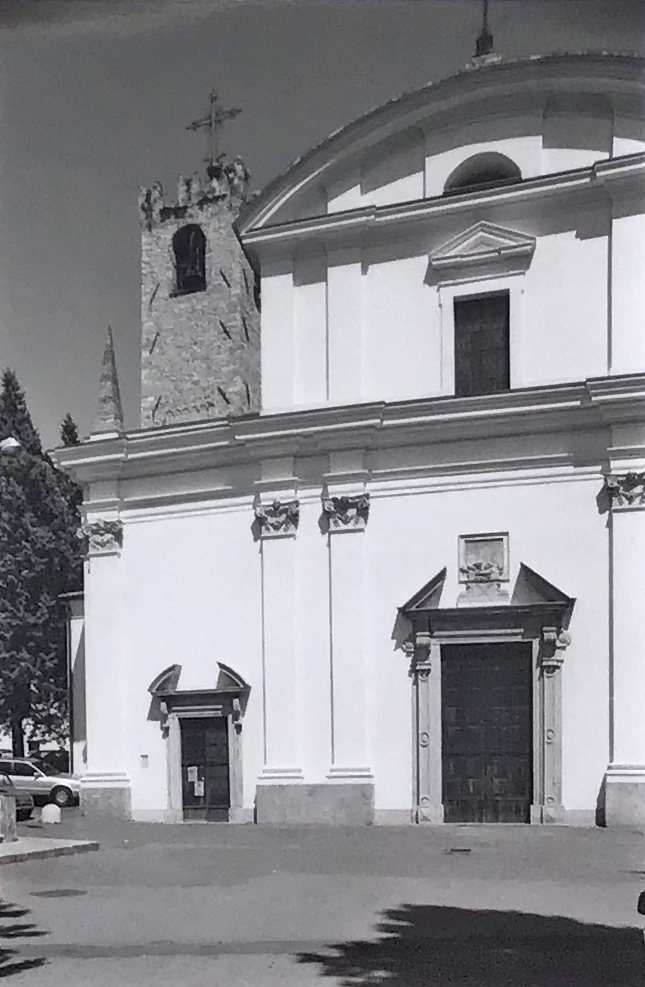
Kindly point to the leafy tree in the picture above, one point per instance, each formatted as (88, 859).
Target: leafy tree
(69, 431)
(40, 558)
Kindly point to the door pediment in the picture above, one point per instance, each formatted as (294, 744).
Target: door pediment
(493, 248)
(535, 603)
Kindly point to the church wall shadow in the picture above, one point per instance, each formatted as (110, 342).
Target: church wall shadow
(435, 946)
(12, 931)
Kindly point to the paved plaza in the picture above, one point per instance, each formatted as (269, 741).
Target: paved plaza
(210, 905)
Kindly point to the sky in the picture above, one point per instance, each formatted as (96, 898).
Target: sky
(95, 97)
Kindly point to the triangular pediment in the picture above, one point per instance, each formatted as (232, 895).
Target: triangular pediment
(531, 588)
(483, 243)
(428, 597)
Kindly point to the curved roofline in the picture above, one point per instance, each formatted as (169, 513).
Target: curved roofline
(482, 72)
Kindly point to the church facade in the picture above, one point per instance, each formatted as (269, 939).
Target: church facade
(375, 554)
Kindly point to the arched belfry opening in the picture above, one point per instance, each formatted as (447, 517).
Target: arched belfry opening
(485, 170)
(189, 249)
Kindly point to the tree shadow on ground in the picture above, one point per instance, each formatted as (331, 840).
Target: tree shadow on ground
(433, 946)
(10, 930)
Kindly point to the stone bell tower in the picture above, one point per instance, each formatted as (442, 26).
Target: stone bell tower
(200, 338)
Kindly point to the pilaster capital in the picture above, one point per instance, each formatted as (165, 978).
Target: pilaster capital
(348, 513)
(626, 489)
(280, 518)
(102, 537)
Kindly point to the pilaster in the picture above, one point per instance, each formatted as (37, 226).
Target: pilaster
(277, 516)
(105, 785)
(625, 779)
(346, 512)
(344, 325)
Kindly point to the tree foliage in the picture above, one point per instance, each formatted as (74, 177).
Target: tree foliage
(40, 559)
(69, 431)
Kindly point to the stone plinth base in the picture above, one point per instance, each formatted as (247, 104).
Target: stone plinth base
(106, 795)
(8, 830)
(625, 797)
(339, 805)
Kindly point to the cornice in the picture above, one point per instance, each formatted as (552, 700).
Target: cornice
(624, 172)
(380, 425)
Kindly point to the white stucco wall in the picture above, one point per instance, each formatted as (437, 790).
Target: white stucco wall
(191, 594)
(374, 323)
(191, 591)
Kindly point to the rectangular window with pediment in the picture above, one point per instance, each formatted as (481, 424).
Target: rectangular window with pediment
(482, 355)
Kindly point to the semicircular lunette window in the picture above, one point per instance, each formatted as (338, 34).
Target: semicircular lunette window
(484, 170)
(189, 247)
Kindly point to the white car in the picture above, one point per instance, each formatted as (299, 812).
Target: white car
(26, 777)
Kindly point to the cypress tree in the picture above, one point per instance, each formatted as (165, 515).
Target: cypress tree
(40, 558)
(69, 431)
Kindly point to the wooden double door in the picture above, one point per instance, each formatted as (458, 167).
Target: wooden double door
(205, 771)
(487, 730)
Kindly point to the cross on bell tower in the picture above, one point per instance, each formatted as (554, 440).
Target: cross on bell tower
(211, 123)
(484, 43)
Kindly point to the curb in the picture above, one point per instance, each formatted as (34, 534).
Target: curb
(65, 850)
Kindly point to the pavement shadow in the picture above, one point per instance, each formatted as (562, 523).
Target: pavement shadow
(435, 946)
(12, 931)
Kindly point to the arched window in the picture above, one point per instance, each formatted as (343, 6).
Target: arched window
(189, 247)
(482, 171)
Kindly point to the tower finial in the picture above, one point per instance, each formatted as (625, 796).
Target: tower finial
(484, 43)
(109, 415)
(211, 123)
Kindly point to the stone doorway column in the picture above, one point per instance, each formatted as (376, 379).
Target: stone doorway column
(547, 719)
(625, 779)
(428, 798)
(105, 785)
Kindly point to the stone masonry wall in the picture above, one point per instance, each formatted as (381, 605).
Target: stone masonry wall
(200, 352)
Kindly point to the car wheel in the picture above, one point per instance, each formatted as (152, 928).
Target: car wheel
(23, 815)
(61, 796)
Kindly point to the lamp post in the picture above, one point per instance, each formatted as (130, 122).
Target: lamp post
(9, 446)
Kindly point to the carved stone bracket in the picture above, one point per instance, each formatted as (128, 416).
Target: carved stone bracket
(481, 572)
(556, 641)
(277, 519)
(347, 513)
(102, 537)
(626, 490)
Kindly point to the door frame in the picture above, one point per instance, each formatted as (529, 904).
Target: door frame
(543, 626)
(175, 787)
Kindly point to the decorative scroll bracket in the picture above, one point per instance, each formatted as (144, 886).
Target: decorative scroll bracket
(556, 641)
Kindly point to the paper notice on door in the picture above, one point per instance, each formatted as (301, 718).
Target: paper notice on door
(192, 774)
(199, 789)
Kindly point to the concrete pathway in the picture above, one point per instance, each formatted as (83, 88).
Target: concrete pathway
(406, 907)
(29, 847)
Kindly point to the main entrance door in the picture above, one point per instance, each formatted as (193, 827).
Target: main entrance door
(205, 768)
(486, 705)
